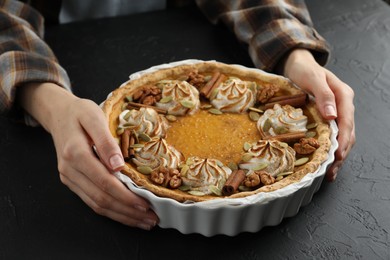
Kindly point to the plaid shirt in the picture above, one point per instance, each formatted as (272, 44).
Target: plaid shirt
(269, 28)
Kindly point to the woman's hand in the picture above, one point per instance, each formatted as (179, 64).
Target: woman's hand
(76, 125)
(334, 99)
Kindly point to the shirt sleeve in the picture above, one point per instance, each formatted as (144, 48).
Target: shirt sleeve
(24, 56)
(270, 28)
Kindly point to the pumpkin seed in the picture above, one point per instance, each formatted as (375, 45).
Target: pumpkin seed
(233, 166)
(221, 183)
(187, 104)
(166, 99)
(144, 137)
(246, 157)
(120, 130)
(247, 146)
(254, 116)
(214, 93)
(184, 188)
(127, 124)
(281, 130)
(243, 188)
(312, 125)
(267, 125)
(284, 174)
(196, 193)
(215, 111)
(171, 118)
(301, 161)
(310, 134)
(127, 116)
(144, 170)
(134, 133)
(278, 178)
(283, 144)
(129, 98)
(219, 163)
(260, 166)
(124, 106)
(256, 110)
(181, 165)
(189, 161)
(206, 106)
(215, 190)
(184, 170)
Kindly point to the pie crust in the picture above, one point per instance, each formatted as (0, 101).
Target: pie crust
(112, 107)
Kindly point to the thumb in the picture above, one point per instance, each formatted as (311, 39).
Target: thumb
(109, 152)
(105, 145)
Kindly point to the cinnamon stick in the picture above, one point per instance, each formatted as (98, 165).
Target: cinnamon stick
(125, 144)
(139, 105)
(232, 183)
(218, 82)
(288, 137)
(297, 100)
(206, 89)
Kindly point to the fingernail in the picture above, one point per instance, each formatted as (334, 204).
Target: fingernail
(343, 154)
(330, 111)
(116, 161)
(144, 226)
(150, 222)
(334, 172)
(141, 208)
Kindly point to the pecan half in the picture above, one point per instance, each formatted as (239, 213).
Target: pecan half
(195, 79)
(258, 178)
(266, 178)
(252, 180)
(266, 92)
(147, 95)
(306, 145)
(166, 177)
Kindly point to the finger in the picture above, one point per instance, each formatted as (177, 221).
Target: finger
(345, 121)
(144, 220)
(97, 129)
(324, 96)
(95, 171)
(344, 99)
(102, 199)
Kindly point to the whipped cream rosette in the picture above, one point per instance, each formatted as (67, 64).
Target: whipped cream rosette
(270, 155)
(234, 95)
(281, 120)
(156, 153)
(205, 175)
(145, 120)
(178, 97)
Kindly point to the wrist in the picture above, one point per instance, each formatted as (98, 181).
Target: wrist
(43, 101)
(297, 57)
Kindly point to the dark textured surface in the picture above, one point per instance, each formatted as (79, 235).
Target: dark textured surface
(349, 219)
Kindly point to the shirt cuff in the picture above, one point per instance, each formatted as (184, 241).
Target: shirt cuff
(18, 68)
(269, 47)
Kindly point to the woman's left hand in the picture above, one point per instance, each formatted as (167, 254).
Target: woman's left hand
(334, 99)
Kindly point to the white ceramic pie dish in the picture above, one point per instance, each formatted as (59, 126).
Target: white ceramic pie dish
(233, 216)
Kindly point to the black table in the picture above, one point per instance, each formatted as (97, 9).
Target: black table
(349, 219)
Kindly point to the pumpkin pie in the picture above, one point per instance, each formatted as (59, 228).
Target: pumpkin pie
(210, 130)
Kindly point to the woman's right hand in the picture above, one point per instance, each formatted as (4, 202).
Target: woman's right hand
(76, 125)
